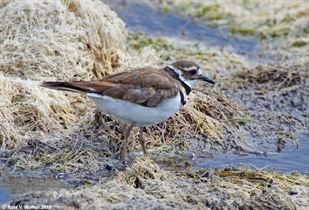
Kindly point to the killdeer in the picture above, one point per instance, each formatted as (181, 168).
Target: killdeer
(140, 97)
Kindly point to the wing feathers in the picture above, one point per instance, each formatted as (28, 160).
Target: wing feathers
(132, 94)
(146, 87)
(115, 92)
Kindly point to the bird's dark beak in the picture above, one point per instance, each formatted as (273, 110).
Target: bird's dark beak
(202, 77)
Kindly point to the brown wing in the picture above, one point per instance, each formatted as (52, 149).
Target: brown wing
(146, 87)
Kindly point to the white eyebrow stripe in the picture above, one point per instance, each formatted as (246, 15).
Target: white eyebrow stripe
(174, 69)
(190, 68)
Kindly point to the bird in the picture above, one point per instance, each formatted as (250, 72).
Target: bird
(139, 97)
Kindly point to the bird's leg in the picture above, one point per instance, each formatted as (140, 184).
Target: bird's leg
(125, 144)
(142, 141)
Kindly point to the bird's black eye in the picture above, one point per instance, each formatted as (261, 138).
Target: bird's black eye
(193, 72)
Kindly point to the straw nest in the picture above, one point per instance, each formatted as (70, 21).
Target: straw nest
(76, 40)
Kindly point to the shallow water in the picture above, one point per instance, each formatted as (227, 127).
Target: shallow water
(140, 17)
(293, 159)
(17, 183)
(6, 195)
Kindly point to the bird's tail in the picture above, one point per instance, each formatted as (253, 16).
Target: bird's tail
(65, 86)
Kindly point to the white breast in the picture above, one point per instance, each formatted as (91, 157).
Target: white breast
(127, 112)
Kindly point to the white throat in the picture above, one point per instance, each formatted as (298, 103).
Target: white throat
(190, 83)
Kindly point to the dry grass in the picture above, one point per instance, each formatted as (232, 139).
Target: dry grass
(283, 78)
(33, 50)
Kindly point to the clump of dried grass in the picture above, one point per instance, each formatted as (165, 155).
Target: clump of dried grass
(46, 41)
(60, 39)
(281, 77)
